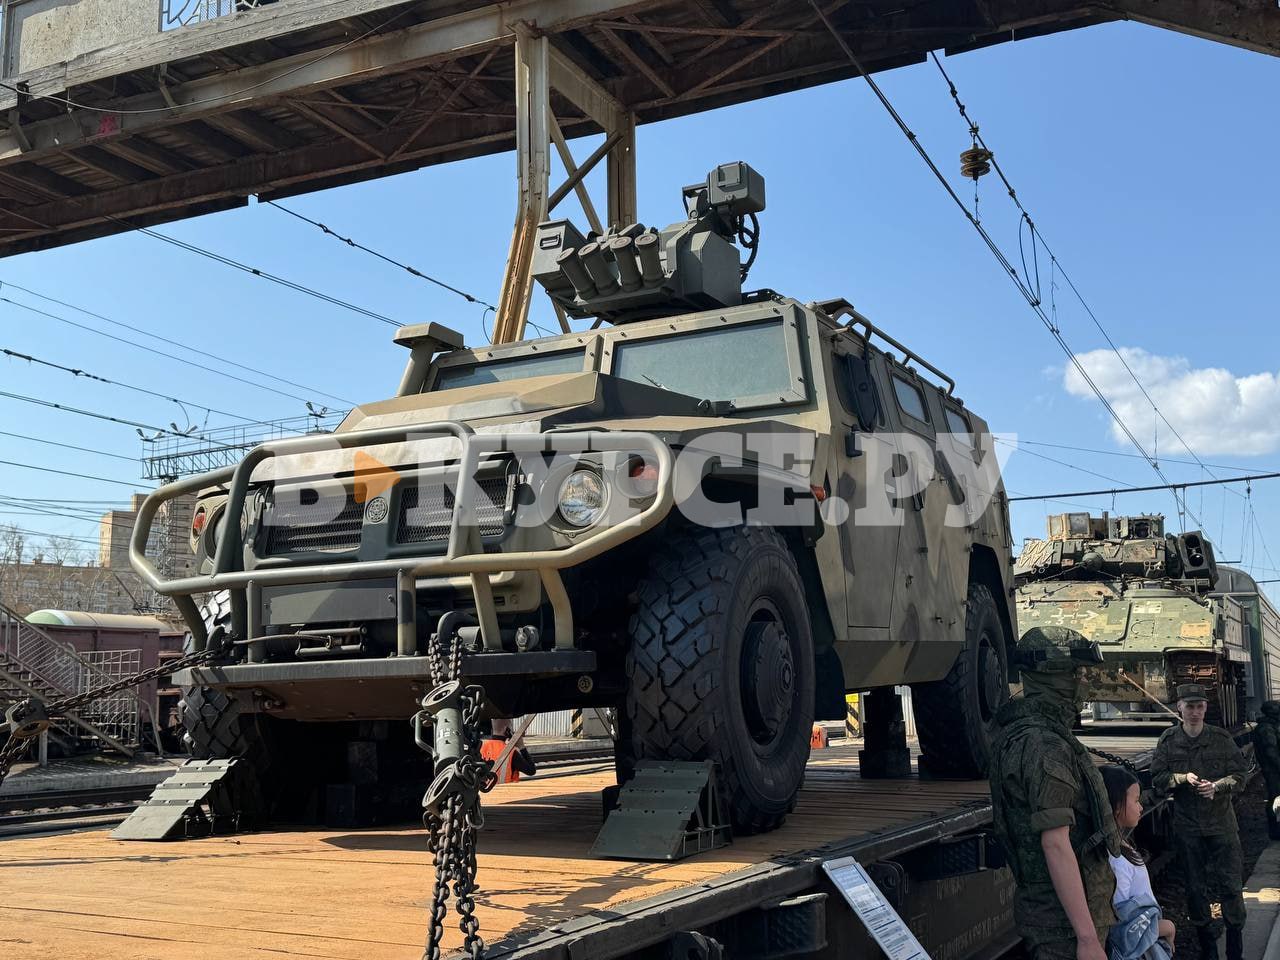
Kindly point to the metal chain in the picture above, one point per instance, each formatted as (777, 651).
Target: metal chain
(452, 803)
(1114, 758)
(28, 718)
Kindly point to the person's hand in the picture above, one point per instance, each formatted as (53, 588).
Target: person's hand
(1090, 949)
(1207, 789)
(1275, 807)
(1194, 780)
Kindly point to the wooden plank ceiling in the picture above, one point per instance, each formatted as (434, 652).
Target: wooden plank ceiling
(119, 156)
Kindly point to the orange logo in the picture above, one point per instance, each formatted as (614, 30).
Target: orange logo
(373, 477)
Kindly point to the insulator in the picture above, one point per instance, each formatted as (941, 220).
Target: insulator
(975, 162)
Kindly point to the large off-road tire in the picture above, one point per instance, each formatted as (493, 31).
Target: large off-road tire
(215, 727)
(721, 667)
(954, 715)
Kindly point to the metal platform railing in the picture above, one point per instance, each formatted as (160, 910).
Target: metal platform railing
(186, 13)
(34, 663)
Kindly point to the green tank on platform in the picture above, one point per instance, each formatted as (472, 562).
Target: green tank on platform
(1144, 596)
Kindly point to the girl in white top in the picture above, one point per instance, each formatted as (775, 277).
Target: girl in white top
(1133, 882)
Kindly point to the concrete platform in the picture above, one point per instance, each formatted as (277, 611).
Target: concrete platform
(92, 772)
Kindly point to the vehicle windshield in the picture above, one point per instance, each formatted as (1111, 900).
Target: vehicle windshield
(744, 363)
(509, 368)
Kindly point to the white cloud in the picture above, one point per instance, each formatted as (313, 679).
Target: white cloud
(1213, 409)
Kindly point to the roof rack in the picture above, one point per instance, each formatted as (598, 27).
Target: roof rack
(843, 308)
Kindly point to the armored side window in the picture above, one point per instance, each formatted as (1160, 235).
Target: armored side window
(449, 376)
(857, 390)
(910, 399)
(959, 426)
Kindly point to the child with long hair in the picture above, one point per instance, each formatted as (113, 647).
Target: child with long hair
(1133, 882)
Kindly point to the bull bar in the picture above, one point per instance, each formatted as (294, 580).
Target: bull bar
(464, 554)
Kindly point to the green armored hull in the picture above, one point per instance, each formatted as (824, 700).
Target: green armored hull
(1145, 599)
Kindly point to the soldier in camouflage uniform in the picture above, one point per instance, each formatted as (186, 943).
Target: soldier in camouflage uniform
(1201, 767)
(1050, 805)
(1266, 750)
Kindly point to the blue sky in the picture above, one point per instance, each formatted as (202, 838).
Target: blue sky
(1145, 157)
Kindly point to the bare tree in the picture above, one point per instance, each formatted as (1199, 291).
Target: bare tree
(64, 551)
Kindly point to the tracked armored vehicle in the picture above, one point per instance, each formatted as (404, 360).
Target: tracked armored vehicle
(1146, 598)
(717, 511)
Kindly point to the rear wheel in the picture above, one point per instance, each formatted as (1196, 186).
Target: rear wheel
(954, 715)
(721, 667)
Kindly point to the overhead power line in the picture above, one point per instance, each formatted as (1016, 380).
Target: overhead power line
(1032, 300)
(69, 446)
(137, 424)
(1159, 486)
(142, 346)
(85, 374)
(254, 271)
(1056, 265)
(413, 271)
(1022, 442)
(204, 354)
(68, 473)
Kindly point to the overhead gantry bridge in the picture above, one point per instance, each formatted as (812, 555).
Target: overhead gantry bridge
(117, 114)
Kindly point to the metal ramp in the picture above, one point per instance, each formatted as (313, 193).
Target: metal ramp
(203, 797)
(669, 810)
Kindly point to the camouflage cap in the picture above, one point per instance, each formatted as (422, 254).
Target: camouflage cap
(1192, 692)
(1055, 648)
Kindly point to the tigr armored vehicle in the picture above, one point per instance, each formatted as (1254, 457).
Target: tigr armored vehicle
(678, 514)
(1144, 597)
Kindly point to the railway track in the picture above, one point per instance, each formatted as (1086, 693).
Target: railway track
(22, 814)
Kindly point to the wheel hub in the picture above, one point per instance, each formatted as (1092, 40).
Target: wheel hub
(990, 679)
(769, 680)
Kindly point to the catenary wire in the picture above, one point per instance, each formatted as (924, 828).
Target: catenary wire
(329, 231)
(999, 255)
(84, 374)
(1038, 237)
(254, 271)
(103, 416)
(413, 271)
(69, 446)
(69, 473)
(1157, 486)
(141, 346)
(176, 343)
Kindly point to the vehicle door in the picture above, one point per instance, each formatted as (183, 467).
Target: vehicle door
(869, 549)
(925, 603)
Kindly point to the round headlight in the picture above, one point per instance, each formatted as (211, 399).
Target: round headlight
(582, 498)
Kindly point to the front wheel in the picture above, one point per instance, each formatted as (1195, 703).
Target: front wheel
(721, 667)
(954, 715)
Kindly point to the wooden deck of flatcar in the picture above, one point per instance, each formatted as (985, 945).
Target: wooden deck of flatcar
(361, 894)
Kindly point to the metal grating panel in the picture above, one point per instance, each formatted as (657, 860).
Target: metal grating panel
(311, 520)
(426, 511)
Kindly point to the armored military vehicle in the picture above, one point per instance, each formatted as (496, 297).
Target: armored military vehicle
(1145, 597)
(717, 510)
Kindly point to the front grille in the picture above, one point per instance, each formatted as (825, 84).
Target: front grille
(427, 511)
(313, 520)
